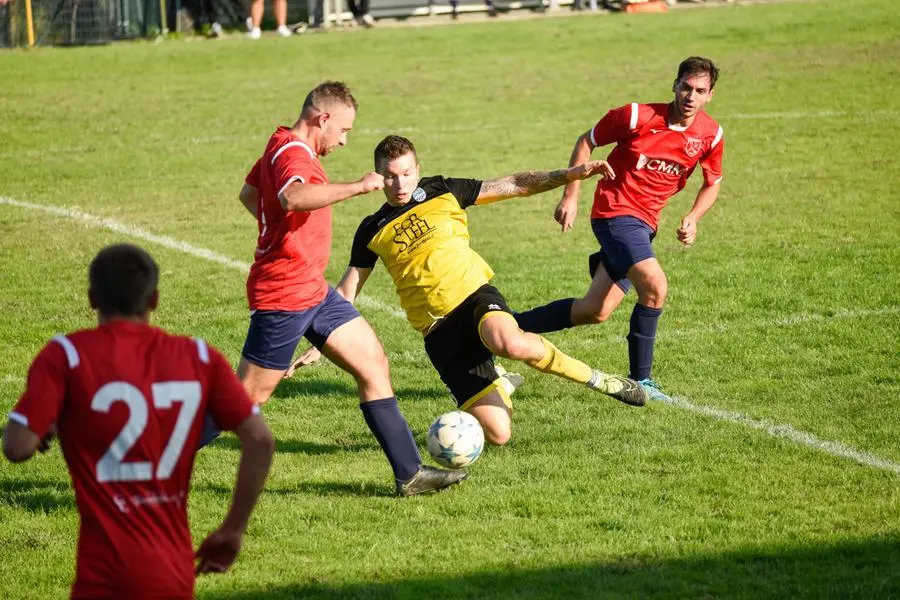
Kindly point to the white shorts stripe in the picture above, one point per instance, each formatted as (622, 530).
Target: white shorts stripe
(289, 182)
(634, 116)
(69, 347)
(202, 350)
(18, 418)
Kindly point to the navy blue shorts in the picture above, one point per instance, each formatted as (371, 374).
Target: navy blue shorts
(274, 334)
(624, 242)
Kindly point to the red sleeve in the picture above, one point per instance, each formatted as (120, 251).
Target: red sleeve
(614, 126)
(294, 164)
(42, 402)
(711, 162)
(252, 177)
(228, 403)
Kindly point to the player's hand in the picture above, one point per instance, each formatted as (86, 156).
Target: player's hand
(688, 230)
(307, 358)
(218, 551)
(371, 182)
(47, 440)
(565, 212)
(589, 169)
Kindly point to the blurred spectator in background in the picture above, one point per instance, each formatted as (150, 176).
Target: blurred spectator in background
(492, 10)
(360, 10)
(256, 14)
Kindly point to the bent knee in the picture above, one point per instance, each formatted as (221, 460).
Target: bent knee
(498, 437)
(511, 347)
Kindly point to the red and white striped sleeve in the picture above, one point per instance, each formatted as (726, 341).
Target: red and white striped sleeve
(616, 125)
(45, 392)
(711, 162)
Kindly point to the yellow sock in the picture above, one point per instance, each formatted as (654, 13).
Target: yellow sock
(559, 363)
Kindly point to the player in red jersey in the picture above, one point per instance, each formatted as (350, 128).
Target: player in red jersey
(657, 147)
(290, 196)
(127, 401)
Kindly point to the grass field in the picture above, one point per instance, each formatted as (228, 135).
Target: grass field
(777, 475)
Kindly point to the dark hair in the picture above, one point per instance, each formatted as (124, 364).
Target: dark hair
(695, 65)
(329, 93)
(391, 147)
(123, 278)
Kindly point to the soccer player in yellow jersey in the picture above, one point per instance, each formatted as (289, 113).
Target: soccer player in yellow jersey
(421, 235)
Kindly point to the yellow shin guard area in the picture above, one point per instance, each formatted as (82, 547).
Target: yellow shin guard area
(559, 363)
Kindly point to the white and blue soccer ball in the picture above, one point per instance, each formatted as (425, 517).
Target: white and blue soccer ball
(455, 439)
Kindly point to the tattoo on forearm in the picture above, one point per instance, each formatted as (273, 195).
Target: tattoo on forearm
(525, 183)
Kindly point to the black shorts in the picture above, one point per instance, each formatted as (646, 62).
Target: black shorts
(455, 348)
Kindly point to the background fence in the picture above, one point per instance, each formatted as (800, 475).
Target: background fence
(80, 22)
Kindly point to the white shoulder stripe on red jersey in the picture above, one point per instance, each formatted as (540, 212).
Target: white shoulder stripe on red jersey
(289, 182)
(634, 116)
(291, 144)
(69, 347)
(202, 350)
(18, 418)
(718, 137)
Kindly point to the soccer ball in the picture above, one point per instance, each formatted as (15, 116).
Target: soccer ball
(455, 439)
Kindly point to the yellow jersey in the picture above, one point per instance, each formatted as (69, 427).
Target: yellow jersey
(425, 247)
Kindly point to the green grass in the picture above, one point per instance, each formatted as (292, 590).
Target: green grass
(786, 310)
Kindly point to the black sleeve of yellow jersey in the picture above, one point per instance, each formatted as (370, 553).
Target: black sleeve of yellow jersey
(465, 190)
(360, 255)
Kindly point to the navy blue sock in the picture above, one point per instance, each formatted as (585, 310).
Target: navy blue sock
(392, 432)
(641, 337)
(551, 317)
(210, 432)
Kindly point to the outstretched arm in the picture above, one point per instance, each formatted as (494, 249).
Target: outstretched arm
(706, 197)
(352, 283)
(528, 183)
(309, 196)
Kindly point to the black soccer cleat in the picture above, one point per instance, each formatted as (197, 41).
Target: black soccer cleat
(429, 479)
(621, 388)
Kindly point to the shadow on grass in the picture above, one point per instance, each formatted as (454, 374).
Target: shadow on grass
(853, 570)
(298, 446)
(315, 488)
(305, 386)
(37, 495)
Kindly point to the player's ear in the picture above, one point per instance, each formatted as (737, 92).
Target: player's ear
(154, 300)
(323, 117)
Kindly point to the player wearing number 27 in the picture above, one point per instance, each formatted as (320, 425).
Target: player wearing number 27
(128, 402)
(657, 148)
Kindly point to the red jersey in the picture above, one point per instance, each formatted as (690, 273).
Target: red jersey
(293, 247)
(652, 160)
(129, 402)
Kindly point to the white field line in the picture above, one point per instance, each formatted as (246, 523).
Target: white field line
(439, 130)
(167, 242)
(786, 431)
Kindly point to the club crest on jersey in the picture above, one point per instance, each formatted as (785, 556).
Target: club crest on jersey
(693, 146)
(418, 195)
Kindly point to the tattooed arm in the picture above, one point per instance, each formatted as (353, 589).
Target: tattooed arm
(528, 183)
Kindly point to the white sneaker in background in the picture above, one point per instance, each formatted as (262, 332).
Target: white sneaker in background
(249, 23)
(215, 30)
(254, 33)
(283, 31)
